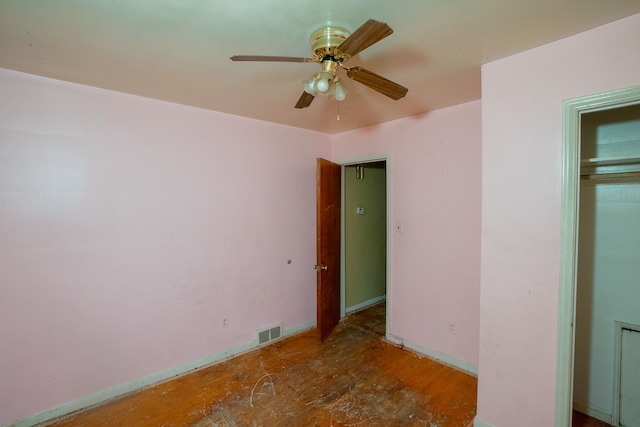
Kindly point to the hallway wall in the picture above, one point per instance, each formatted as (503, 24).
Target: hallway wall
(365, 235)
(435, 167)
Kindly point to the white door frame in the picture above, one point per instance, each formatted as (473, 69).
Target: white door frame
(572, 113)
(357, 161)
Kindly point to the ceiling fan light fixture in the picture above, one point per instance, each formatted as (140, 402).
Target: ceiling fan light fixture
(324, 82)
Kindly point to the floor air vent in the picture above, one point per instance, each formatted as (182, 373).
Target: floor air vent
(269, 334)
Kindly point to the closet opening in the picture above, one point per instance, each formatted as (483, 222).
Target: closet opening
(600, 257)
(607, 288)
(364, 237)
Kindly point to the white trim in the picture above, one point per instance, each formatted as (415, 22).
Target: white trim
(573, 109)
(122, 389)
(364, 304)
(477, 422)
(365, 159)
(460, 364)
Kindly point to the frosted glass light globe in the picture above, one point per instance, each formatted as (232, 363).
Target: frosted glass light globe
(322, 85)
(309, 85)
(340, 92)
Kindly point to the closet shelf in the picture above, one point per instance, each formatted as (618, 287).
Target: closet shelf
(610, 169)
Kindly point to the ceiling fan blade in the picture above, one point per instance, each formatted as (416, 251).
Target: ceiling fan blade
(305, 100)
(263, 58)
(367, 34)
(376, 82)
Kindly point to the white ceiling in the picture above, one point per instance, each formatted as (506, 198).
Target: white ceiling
(178, 50)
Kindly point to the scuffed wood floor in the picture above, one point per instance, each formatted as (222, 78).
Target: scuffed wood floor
(353, 379)
(582, 420)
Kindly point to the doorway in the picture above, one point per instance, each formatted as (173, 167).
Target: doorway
(573, 353)
(607, 289)
(365, 243)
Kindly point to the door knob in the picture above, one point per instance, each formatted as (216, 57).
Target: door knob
(319, 267)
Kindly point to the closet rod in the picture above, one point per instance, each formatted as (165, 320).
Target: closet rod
(610, 176)
(610, 161)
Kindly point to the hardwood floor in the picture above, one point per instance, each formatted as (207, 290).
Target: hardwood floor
(581, 420)
(354, 379)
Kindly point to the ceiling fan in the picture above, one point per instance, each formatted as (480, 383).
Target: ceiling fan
(331, 47)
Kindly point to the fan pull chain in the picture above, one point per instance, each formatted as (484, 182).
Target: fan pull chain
(338, 116)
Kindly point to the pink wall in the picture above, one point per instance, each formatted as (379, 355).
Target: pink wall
(521, 195)
(129, 227)
(435, 170)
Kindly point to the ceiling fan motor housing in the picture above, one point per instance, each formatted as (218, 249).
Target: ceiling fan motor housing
(325, 40)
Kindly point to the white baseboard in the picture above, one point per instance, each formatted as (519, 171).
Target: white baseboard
(477, 422)
(119, 390)
(592, 412)
(300, 328)
(365, 304)
(463, 365)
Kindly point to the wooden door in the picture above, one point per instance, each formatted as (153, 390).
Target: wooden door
(328, 246)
